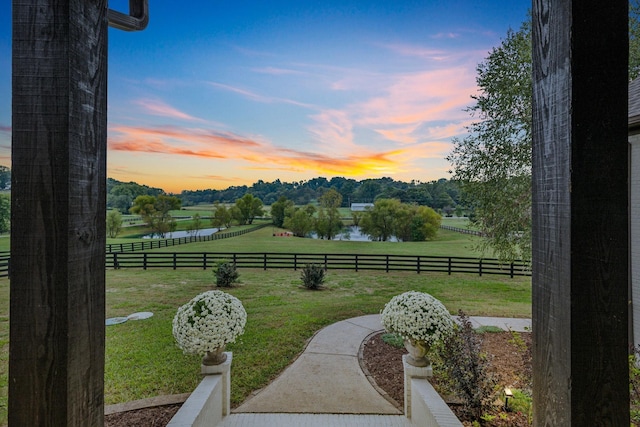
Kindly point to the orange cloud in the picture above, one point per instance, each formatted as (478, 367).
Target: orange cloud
(176, 141)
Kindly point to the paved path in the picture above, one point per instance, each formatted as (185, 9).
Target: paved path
(325, 385)
(327, 378)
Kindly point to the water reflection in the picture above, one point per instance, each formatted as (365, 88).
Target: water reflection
(179, 234)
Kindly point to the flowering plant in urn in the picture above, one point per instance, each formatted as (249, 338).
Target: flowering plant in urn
(207, 323)
(420, 319)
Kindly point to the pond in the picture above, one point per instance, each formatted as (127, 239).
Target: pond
(353, 234)
(184, 233)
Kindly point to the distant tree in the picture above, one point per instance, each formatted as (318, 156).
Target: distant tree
(196, 224)
(425, 223)
(328, 224)
(114, 223)
(278, 210)
(299, 220)
(356, 216)
(5, 213)
(221, 216)
(368, 190)
(248, 207)
(155, 211)
(378, 222)
(5, 177)
(120, 195)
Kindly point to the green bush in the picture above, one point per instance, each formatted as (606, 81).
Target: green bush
(634, 385)
(226, 274)
(312, 276)
(394, 340)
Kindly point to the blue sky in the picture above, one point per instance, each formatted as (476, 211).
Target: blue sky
(214, 94)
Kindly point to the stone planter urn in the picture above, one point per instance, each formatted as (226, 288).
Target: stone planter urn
(418, 351)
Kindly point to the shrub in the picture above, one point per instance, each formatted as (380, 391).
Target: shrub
(226, 274)
(312, 276)
(467, 369)
(634, 384)
(394, 340)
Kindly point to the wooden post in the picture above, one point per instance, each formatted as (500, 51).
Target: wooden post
(580, 220)
(58, 231)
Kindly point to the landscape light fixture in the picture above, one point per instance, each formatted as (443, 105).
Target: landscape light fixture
(507, 394)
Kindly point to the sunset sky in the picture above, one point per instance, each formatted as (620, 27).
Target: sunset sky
(214, 94)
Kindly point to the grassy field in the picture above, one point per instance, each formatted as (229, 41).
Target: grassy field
(447, 243)
(142, 359)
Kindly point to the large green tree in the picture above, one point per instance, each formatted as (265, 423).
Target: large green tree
(155, 211)
(221, 216)
(379, 221)
(328, 223)
(247, 208)
(5, 213)
(114, 223)
(278, 210)
(493, 162)
(299, 220)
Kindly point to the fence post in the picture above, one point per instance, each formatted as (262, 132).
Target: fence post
(116, 266)
(325, 262)
(449, 267)
(480, 267)
(204, 261)
(511, 270)
(356, 259)
(418, 263)
(264, 263)
(295, 262)
(144, 261)
(175, 255)
(387, 263)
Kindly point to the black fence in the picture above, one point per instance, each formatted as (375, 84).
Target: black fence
(164, 243)
(461, 230)
(5, 256)
(357, 262)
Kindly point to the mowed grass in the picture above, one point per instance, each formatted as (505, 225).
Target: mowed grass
(447, 243)
(143, 361)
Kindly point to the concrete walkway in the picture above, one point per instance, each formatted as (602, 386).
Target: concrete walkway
(327, 378)
(325, 385)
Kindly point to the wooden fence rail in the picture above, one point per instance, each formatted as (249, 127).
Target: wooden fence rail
(164, 243)
(357, 262)
(461, 230)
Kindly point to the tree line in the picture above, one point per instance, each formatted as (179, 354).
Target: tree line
(442, 194)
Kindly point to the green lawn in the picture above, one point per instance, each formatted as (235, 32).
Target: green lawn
(447, 243)
(142, 359)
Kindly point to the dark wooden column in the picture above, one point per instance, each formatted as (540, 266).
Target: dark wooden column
(56, 362)
(580, 220)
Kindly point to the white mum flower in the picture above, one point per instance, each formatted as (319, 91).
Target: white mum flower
(417, 316)
(209, 321)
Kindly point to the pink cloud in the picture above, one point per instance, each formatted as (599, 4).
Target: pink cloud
(214, 145)
(159, 108)
(257, 97)
(417, 51)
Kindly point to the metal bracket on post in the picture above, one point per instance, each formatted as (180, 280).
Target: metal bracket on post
(136, 20)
